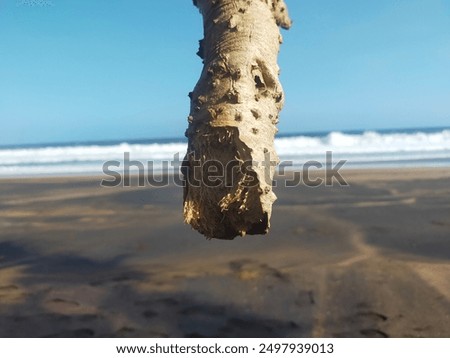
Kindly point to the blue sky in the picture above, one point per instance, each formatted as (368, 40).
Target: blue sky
(116, 69)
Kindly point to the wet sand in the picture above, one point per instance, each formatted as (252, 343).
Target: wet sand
(368, 260)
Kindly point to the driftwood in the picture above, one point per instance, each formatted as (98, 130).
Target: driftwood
(230, 162)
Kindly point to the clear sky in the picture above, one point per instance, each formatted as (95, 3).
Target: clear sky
(119, 69)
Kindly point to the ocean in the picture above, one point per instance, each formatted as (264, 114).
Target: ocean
(425, 147)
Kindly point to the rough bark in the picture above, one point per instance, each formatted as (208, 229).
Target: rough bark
(233, 117)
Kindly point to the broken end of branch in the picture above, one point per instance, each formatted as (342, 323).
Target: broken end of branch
(241, 203)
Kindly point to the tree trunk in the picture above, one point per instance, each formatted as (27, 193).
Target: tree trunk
(230, 162)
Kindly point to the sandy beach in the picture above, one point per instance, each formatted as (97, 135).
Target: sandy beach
(368, 260)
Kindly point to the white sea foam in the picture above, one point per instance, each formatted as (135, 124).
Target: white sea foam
(369, 149)
(368, 142)
(53, 155)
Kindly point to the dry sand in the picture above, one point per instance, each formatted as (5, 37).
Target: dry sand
(368, 260)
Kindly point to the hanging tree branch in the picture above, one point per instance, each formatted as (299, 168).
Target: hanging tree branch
(230, 162)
